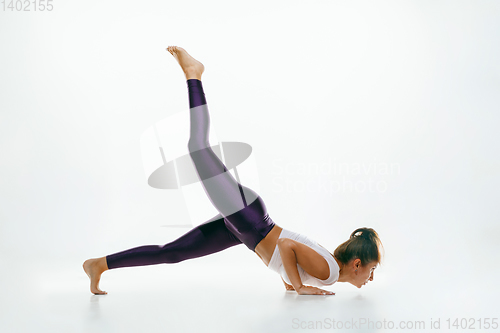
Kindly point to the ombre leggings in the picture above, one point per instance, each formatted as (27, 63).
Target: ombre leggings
(242, 214)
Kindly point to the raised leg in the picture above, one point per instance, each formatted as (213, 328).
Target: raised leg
(225, 193)
(244, 211)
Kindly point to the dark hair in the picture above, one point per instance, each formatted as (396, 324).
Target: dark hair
(364, 244)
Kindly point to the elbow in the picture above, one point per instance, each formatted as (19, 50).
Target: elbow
(285, 243)
(281, 242)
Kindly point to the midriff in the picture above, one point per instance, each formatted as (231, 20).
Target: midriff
(266, 246)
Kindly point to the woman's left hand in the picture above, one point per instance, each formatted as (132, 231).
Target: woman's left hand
(310, 290)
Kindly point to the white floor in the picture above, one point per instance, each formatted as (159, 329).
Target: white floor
(410, 84)
(232, 292)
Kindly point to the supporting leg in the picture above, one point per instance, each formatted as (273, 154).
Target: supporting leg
(210, 237)
(205, 239)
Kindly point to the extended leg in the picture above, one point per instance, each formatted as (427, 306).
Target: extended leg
(226, 194)
(244, 211)
(205, 239)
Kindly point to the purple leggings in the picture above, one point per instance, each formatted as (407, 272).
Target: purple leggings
(242, 217)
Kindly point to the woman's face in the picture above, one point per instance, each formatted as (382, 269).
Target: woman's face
(363, 273)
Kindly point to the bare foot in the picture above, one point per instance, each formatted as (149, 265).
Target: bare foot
(191, 67)
(94, 268)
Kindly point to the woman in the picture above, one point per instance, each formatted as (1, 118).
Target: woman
(243, 219)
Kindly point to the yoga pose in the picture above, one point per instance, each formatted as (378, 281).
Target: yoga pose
(243, 219)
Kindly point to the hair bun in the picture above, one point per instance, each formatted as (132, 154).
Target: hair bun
(364, 244)
(361, 232)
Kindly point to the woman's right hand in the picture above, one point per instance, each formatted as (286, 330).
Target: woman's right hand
(310, 290)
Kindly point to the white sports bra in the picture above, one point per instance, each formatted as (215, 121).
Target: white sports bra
(277, 265)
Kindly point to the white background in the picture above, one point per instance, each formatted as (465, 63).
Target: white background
(365, 83)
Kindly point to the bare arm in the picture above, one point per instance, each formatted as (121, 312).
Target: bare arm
(293, 253)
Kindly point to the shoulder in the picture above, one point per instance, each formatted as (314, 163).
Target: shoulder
(307, 257)
(333, 266)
